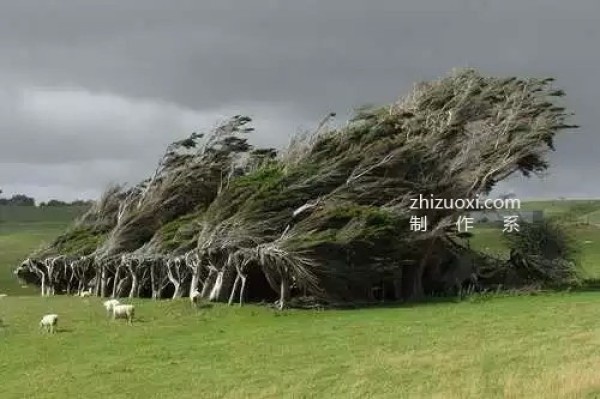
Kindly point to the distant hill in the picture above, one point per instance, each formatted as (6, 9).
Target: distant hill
(11, 214)
(22, 230)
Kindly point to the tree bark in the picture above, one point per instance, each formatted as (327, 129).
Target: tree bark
(174, 275)
(234, 289)
(121, 287)
(216, 290)
(117, 275)
(284, 294)
(43, 286)
(153, 282)
(242, 289)
(208, 282)
(103, 280)
(70, 283)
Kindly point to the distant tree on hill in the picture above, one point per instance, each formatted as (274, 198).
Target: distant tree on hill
(18, 199)
(55, 202)
(82, 203)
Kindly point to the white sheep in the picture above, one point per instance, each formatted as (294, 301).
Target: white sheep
(110, 304)
(123, 311)
(49, 322)
(85, 294)
(194, 296)
(3, 295)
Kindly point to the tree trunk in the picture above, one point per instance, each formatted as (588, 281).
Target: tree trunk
(284, 294)
(70, 283)
(227, 282)
(50, 282)
(174, 275)
(216, 291)
(242, 289)
(80, 286)
(195, 279)
(142, 281)
(177, 292)
(97, 282)
(117, 274)
(153, 281)
(208, 283)
(134, 285)
(103, 281)
(121, 287)
(233, 290)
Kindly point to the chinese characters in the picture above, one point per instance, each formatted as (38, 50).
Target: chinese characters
(464, 223)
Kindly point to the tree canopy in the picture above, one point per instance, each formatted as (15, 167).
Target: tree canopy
(329, 215)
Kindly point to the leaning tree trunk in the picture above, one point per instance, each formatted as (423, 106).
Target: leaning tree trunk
(229, 274)
(133, 272)
(216, 290)
(134, 285)
(240, 280)
(50, 282)
(284, 294)
(43, 286)
(71, 279)
(234, 289)
(195, 279)
(97, 280)
(103, 280)
(154, 280)
(116, 281)
(80, 286)
(242, 288)
(121, 287)
(142, 282)
(174, 275)
(193, 266)
(208, 282)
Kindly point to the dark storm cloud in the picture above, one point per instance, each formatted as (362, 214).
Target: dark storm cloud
(84, 83)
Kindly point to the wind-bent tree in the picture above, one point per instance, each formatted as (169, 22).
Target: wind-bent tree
(329, 216)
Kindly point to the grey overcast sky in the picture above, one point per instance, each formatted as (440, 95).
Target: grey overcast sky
(92, 91)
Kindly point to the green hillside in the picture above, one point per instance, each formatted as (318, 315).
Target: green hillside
(581, 216)
(22, 230)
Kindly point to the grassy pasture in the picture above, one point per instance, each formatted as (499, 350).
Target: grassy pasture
(542, 346)
(22, 230)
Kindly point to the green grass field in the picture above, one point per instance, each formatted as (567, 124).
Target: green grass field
(22, 230)
(545, 346)
(542, 346)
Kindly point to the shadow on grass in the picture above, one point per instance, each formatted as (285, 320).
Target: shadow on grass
(429, 301)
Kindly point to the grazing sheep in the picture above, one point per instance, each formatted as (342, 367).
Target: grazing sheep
(85, 294)
(123, 311)
(3, 295)
(49, 322)
(195, 296)
(110, 304)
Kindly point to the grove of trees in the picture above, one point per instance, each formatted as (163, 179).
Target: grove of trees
(328, 217)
